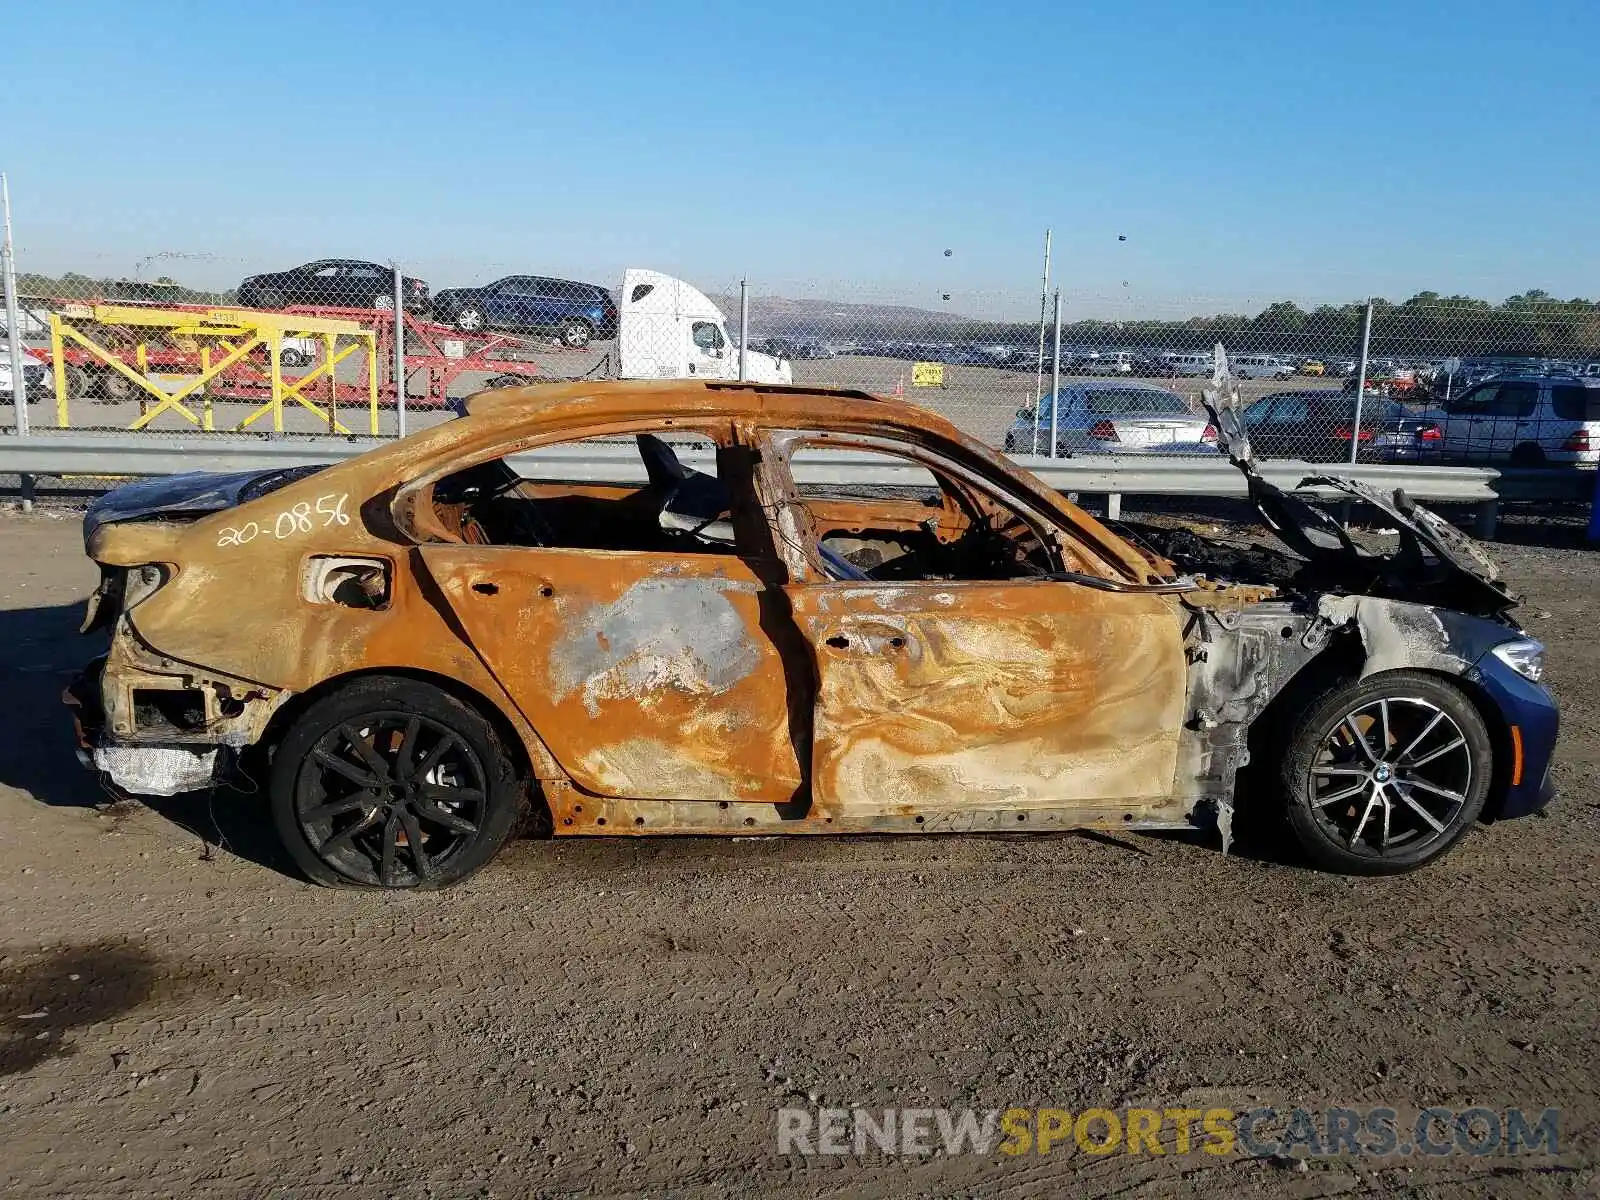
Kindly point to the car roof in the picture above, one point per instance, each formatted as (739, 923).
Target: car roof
(603, 400)
(1110, 385)
(545, 279)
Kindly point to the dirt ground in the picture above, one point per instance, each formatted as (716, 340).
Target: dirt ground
(616, 1017)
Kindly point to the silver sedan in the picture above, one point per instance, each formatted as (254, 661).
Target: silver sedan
(1112, 418)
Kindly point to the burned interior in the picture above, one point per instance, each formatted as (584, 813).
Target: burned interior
(939, 530)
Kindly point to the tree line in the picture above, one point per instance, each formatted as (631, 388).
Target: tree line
(1533, 323)
(76, 286)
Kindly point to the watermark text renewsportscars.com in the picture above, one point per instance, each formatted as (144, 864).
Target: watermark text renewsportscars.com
(1257, 1132)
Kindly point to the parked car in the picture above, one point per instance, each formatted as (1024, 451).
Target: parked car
(1190, 366)
(574, 312)
(332, 283)
(1112, 418)
(36, 382)
(1313, 367)
(1260, 366)
(457, 651)
(1111, 362)
(1149, 364)
(1525, 420)
(1316, 425)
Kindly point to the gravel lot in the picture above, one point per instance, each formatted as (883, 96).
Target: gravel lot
(179, 1017)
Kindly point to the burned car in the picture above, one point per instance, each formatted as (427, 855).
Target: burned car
(467, 632)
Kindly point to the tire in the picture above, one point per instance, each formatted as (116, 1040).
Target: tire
(292, 358)
(574, 333)
(383, 301)
(344, 834)
(267, 298)
(469, 319)
(1528, 454)
(113, 387)
(77, 380)
(1435, 757)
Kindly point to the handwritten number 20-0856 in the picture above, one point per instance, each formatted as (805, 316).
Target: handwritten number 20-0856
(301, 518)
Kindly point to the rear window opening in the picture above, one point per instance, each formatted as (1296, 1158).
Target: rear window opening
(1105, 403)
(271, 482)
(1575, 402)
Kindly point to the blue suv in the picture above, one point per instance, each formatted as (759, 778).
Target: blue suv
(574, 312)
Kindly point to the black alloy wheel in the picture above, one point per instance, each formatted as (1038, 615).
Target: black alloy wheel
(395, 784)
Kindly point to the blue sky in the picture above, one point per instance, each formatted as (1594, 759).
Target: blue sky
(1247, 150)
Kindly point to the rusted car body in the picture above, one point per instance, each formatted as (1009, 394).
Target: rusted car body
(705, 654)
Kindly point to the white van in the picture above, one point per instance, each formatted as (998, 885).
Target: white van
(668, 329)
(1259, 366)
(1112, 362)
(1190, 365)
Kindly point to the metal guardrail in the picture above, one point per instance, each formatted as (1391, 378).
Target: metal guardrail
(58, 455)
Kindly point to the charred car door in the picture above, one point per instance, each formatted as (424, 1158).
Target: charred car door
(963, 679)
(625, 626)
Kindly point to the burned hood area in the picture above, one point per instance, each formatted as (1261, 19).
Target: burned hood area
(1317, 557)
(1434, 563)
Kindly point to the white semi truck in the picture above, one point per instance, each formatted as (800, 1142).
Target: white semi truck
(668, 329)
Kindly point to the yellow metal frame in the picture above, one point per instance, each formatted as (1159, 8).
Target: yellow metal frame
(237, 332)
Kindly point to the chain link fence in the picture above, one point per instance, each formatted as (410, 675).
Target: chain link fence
(311, 349)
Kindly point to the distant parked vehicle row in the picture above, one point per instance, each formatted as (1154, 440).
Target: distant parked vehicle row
(1114, 362)
(1316, 425)
(794, 349)
(577, 313)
